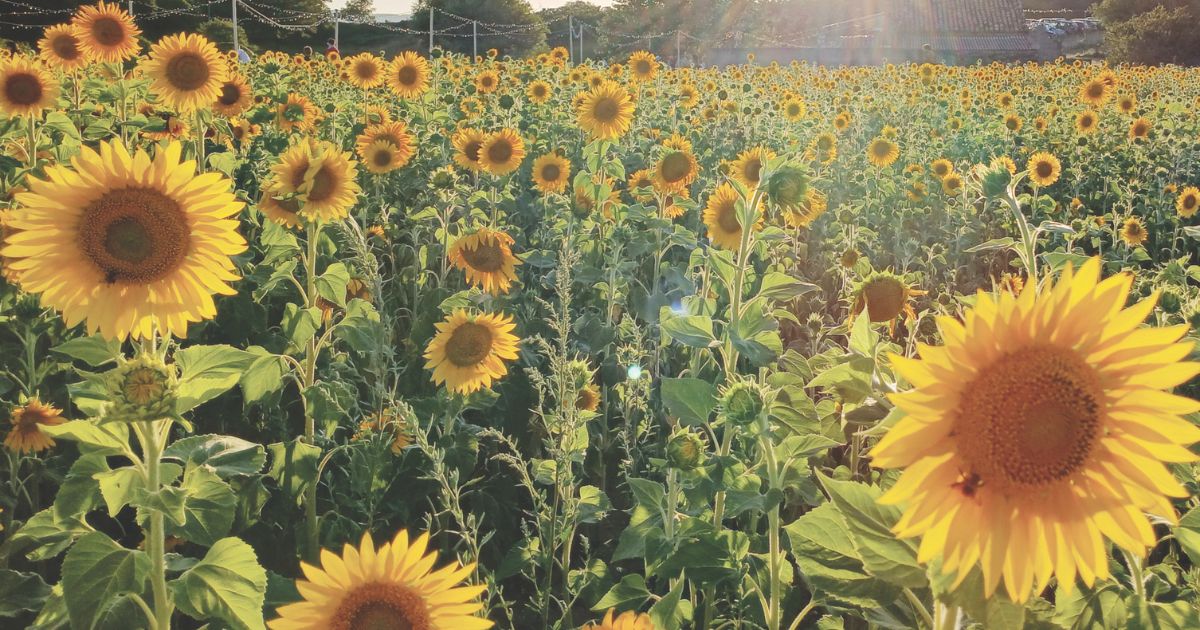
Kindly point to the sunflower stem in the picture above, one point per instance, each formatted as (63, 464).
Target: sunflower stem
(152, 436)
(945, 617)
(312, 541)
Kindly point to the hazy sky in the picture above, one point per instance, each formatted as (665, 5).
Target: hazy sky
(404, 6)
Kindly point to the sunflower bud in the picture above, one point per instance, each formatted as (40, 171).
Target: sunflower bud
(685, 450)
(788, 186)
(995, 179)
(743, 403)
(140, 389)
(1170, 300)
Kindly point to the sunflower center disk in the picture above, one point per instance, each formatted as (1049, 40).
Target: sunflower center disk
(500, 152)
(23, 89)
(382, 157)
(229, 94)
(727, 217)
(486, 256)
(1030, 419)
(382, 607)
(469, 345)
(134, 235)
(323, 185)
(108, 31)
(676, 167)
(752, 170)
(1044, 169)
(605, 110)
(407, 75)
(65, 47)
(187, 72)
(885, 299)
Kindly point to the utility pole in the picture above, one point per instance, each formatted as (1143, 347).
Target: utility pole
(235, 28)
(130, 8)
(337, 22)
(571, 38)
(474, 40)
(678, 63)
(430, 31)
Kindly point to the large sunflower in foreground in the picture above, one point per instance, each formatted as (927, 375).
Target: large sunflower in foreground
(628, 620)
(501, 152)
(393, 586)
(59, 48)
(127, 244)
(27, 421)
(606, 111)
(234, 96)
(469, 351)
(106, 33)
(186, 71)
(322, 176)
(408, 75)
(1039, 430)
(487, 260)
(25, 87)
(720, 217)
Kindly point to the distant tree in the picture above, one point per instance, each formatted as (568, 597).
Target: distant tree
(358, 11)
(556, 24)
(220, 32)
(1151, 32)
(509, 26)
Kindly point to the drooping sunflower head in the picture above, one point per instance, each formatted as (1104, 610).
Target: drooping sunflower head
(1133, 232)
(187, 71)
(1039, 430)
(136, 247)
(234, 96)
(551, 173)
(408, 75)
(606, 111)
(1188, 201)
(501, 152)
(802, 215)
(1044, 168)
(106, 33)
(392, 586)
(628, 620)
(882, 152)
(59, 48)
(749, 163)
(365, 71)
(27, 421)
(26, 89)
(643, 66)
(469, 352)
(486, 258)
(885, 296)
(675, 171)
(721, 218)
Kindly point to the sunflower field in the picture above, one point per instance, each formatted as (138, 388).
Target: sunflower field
(442, 343)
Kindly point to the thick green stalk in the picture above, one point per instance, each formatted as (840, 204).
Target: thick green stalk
(312, 539)
(152, 437)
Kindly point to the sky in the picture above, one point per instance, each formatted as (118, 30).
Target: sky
(404, 6)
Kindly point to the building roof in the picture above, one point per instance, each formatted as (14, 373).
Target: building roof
(960, 16)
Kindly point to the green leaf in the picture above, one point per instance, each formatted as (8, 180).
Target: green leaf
(224, 454)
(294, 466)
(207, 372)
(20, 592)
(119, 487)
(782, 287)
(44, 536)
(647, 493)
(94, 351)
(280, 275)
(280, 243)
(208, 507)
(331, 285)
(228, 584)
(300, 325)
(692, 400)
(1177, 615)
(695, 331)
(1188, 535)
(167, 500)
(264, 376)
(593, 504)
(829, 562)
(870, 527)
(60, 121)
(629, 593)
(996, 243)
(79, 493)
(361, 328)
(109, 440)
(96, 572)
(672, 611)
(862, 338)
(1102, 608)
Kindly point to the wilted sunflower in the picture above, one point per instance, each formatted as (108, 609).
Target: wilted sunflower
(59, 48)
(551, 172)
(1133, 232)
(408, 75)
(322, 176)
(365, 71)
(720, 217)
(606, 111)
(643, 66)
(748, 165)
(186, 71)
(467, 143)
(234, 96)
(1086, 121)
(25, 87)
(501, 152)
(486, 258)
(885, 297)
(1044, 168)
(882, 152)
(1039, 430)
(389, 587)
(394, 133)
(106, 33)
(1188, 201)
(538, 91)
(27, 421)
(675, 171)
(297, 113)
(469, 351)
(628, 620)
(127, 244)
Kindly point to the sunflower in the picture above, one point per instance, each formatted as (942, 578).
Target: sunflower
(941, 167)
(322, 176)
(885, 297)
(1012, 122)
(1126, 103)
(186, 71)
(1086, 121)
(643, 66)
(486, 258)
(551, 173)
(391, 424)
(746, 168)
(824, 148)
(538, 92)
(1044, 168)
(25, 87)
(408, 75)
(487, 82)
(1188, 201)
(673, 210)
(469, 351)
(106, 33)
(720, 217)
(26, 435)
(234, 96)
(588, 398)
(882, 152)
(280, 207)
(501, 152)
(793, 109)
(1038, 430)
(1095, 92)
(1139, 129)
(641, 180)
(389, 587)
(467, 143)
(689, 97)
(296, 113)
(675, 171)
(815, 204)
(376, 115)
(952, 184)
(59, 48)
(382, 156)
(128, 244)
(606, 111)
(173, 128)
(1133, 232)
(365, 71)
(628, 620)
(678, 143)
(394, 133)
